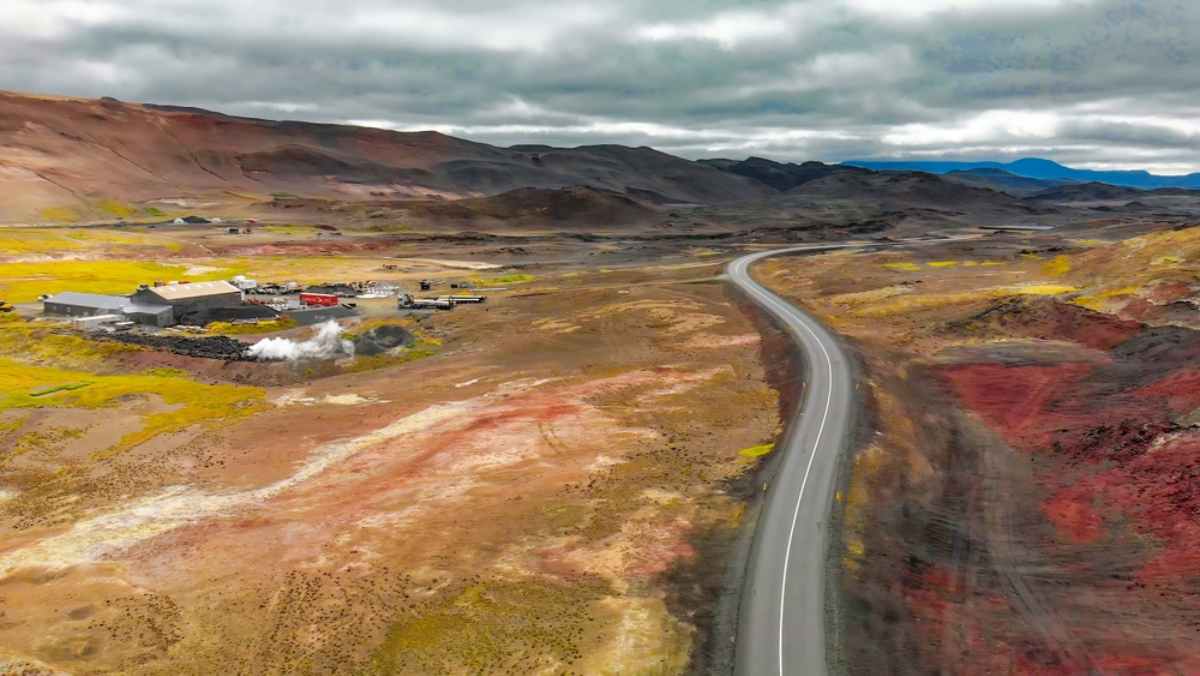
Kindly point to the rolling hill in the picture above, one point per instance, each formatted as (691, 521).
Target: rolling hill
(82, 159)
(1002, 181)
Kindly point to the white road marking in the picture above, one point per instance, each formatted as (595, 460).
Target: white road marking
(787, 315)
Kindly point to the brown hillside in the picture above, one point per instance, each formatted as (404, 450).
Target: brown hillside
(61, 156)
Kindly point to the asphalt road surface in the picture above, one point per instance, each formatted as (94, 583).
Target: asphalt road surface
(781, 627)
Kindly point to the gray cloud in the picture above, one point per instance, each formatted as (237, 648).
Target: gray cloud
(1102, 83)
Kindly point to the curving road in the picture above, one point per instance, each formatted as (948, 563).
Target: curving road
(781, 627)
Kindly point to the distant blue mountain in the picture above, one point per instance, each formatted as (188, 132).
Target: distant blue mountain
(1033, 167)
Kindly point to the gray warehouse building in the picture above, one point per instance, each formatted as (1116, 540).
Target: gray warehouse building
(73, 304)
(191, 303)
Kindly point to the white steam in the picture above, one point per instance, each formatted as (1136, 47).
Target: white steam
(327, 343)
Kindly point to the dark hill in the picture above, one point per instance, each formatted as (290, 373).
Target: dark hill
(778, 175)
(1001, 180)
(537, 207)
(1088, 192)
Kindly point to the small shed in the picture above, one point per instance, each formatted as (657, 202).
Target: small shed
(150, 315)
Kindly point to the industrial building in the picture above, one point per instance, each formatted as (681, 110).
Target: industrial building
(73, 304)
(192, 303)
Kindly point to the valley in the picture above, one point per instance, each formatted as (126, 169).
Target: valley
(567, 474)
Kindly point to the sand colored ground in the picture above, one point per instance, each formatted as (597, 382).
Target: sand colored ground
(521, 499)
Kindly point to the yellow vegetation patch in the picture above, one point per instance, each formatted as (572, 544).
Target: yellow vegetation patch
(292, 230)
(25, 386)
(757, 451)
(903, 266)
(1099, 301)
(870, 296)
(503, 280)
(60, 215)
(533, 626)
(856, 504)
(917, 303)
(265, 326)
(942, 264)
(51, 344)
(116, 208)
(1166, 260)
(1057, 267)
(53, 241)
(1040, 289)
(24, 282)
(46, 440)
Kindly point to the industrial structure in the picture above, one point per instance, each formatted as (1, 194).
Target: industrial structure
(193, 303)
(120, 308)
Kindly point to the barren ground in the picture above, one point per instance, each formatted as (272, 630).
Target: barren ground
(552, 484)
(1027, 503)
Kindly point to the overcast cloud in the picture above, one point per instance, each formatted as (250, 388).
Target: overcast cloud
(1092, 83)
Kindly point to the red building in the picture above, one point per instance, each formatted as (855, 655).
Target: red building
(325, 299)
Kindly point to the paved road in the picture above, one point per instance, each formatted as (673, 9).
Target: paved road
(781, 627)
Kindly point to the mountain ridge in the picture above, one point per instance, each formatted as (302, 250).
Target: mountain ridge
(1039, 168)
(69, 155)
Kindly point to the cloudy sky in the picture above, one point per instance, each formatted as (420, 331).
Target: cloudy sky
(1095, 83)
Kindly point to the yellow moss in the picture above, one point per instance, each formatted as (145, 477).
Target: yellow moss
(292, 230)
(917, 303)
(903, 266)
(53, 241)
(1057, 267)
(856, 505)
(25, 386)
(47, 440)
(503, 280)
(115, 208)
(1041, 289)
(264, 326)
(1166, 260)
(24, 282)
(60, 215)
(757, 451)
(51, 344)
(529, 626)
(1099, 301)
(870, 296)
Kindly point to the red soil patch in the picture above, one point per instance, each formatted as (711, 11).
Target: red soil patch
(1048, 319)
(1161, 491)
(1170, 291)
(1180, 390)
(1140, 309)
(1071, 512)
(1092, 329)
(1014, 399)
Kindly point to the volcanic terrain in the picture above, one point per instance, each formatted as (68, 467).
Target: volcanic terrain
(566, 477)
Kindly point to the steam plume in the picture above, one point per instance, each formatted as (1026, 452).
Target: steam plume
(327, 343)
